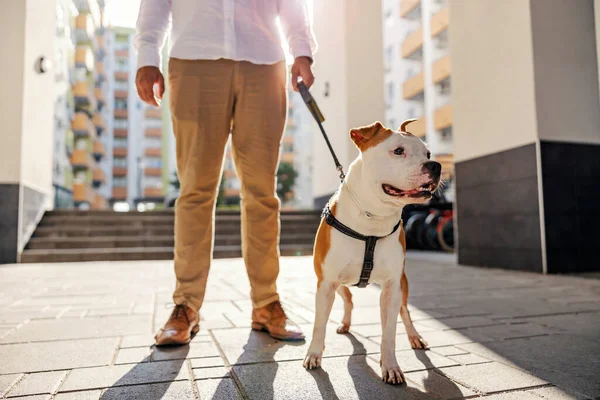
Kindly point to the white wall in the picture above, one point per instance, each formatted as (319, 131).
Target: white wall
(12, 78)
(493, 98)
(566, 70)
(38, 112)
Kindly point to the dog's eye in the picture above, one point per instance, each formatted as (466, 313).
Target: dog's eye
(429, 155)
(399, 151)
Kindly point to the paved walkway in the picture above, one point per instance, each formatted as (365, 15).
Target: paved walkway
(84, 331)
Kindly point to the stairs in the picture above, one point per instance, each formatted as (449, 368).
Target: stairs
(70, 236)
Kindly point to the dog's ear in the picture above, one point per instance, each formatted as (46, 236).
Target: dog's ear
(403, 126)
(360, 136)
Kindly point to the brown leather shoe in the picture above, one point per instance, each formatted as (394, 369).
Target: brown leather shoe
(179, 329)
(272, 319)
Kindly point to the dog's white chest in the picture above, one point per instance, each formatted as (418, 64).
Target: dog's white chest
(344, 261)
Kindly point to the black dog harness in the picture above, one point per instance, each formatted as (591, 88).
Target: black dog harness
(370, 242)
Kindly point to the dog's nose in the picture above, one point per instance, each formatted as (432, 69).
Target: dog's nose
(433, 167)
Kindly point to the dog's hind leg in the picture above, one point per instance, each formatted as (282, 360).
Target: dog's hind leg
(389, 303)
(324, 302)
(416, 341)
(346, 295)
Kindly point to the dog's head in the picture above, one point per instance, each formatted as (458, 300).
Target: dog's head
(396, 164)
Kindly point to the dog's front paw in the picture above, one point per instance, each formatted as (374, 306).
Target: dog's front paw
(417, 342)
(392, 374)
(312, 360)
(343, 329)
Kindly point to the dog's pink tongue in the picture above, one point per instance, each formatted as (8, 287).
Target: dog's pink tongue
(411, 192)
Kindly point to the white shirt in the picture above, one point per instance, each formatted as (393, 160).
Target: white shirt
(240, 30)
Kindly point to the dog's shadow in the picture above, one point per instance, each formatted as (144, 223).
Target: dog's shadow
(368, 384)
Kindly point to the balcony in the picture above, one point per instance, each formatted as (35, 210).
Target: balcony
(82, 93)
(409, 7)
(122, 53)
(98, 176)
(439, 22)
(98, 150)
(287, 157)
(447, 161)
(413, 86)
(121, 113)
(288, 139)
(99, 123)
(229, 174)
(119, 193)
(120, 133)
(83, 193)
(84, 58)
(418, 128)
(153, 192)
(84, 28)
(120, 152)
(121, 76)
(121, 94)
(148, 171)
(81, 159)
(441, 69)
(442, 117)
(100, 203)
(100, 99)
(412, 43)
(101, 42)
(119, 171)
(82, 126)
(231, 193)
(153, 132)
(153, 152)
(153, 113)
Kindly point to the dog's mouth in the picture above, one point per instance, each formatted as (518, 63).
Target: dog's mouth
(423, 191)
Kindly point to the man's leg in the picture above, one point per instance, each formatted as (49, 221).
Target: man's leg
(201, 106)
(258, 123)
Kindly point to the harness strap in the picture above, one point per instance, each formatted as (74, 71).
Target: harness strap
(370, 243)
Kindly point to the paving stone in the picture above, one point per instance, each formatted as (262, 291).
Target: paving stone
(507, 331)
(84, 395)
(7, 381)
(448, 351)
(163, 391)
(207, 362)
(62, 329)
(459, 322)
(35, 397)
(354, 377)
(492, 377)
(218, 389)
(52, 356)
(242, 346)
(40, 383)
(193, 350)
(134, 355)
(370, 330)
(554, 393)
(415, 360)
(137, 341)
(518, 395)
(436, 384)
(122, 375)
(210, 373)
(468, 359)
(433, 338)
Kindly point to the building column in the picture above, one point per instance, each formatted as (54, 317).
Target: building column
(26, 120)
(526, 134)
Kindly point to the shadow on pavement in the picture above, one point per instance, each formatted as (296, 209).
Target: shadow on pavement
(158, 385)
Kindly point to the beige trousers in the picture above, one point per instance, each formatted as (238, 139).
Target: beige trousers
(206, 96)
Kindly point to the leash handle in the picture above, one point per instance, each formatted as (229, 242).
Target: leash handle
(318, 116)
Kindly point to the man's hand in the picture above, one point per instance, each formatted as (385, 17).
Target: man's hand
(301, 68)
(145, 79)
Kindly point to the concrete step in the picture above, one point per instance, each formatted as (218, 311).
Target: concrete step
(161, 230)
(107, 242)
(138, 253)
(170, 211)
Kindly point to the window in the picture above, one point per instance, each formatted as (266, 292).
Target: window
(121, 123)
(120, 181)
(120, 143)
(120, 104)
(392, 123)
(153, 162)
(390, 92)
(411, 113)
(153, 142)
(288, 147)
(122, 65)
(121, 85)
(119, 162)
(389, 56)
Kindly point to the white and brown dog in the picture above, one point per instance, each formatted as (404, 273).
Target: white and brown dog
(392, 170)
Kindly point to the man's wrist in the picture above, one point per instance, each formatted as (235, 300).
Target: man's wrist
(307, 58)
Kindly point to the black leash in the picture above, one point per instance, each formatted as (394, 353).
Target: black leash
(318, 116)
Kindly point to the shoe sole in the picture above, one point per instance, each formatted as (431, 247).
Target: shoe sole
(174, 343)
(262, 328)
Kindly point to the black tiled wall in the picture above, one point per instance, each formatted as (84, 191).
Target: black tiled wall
(498, 211)
(9, 223)
(571, 185)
